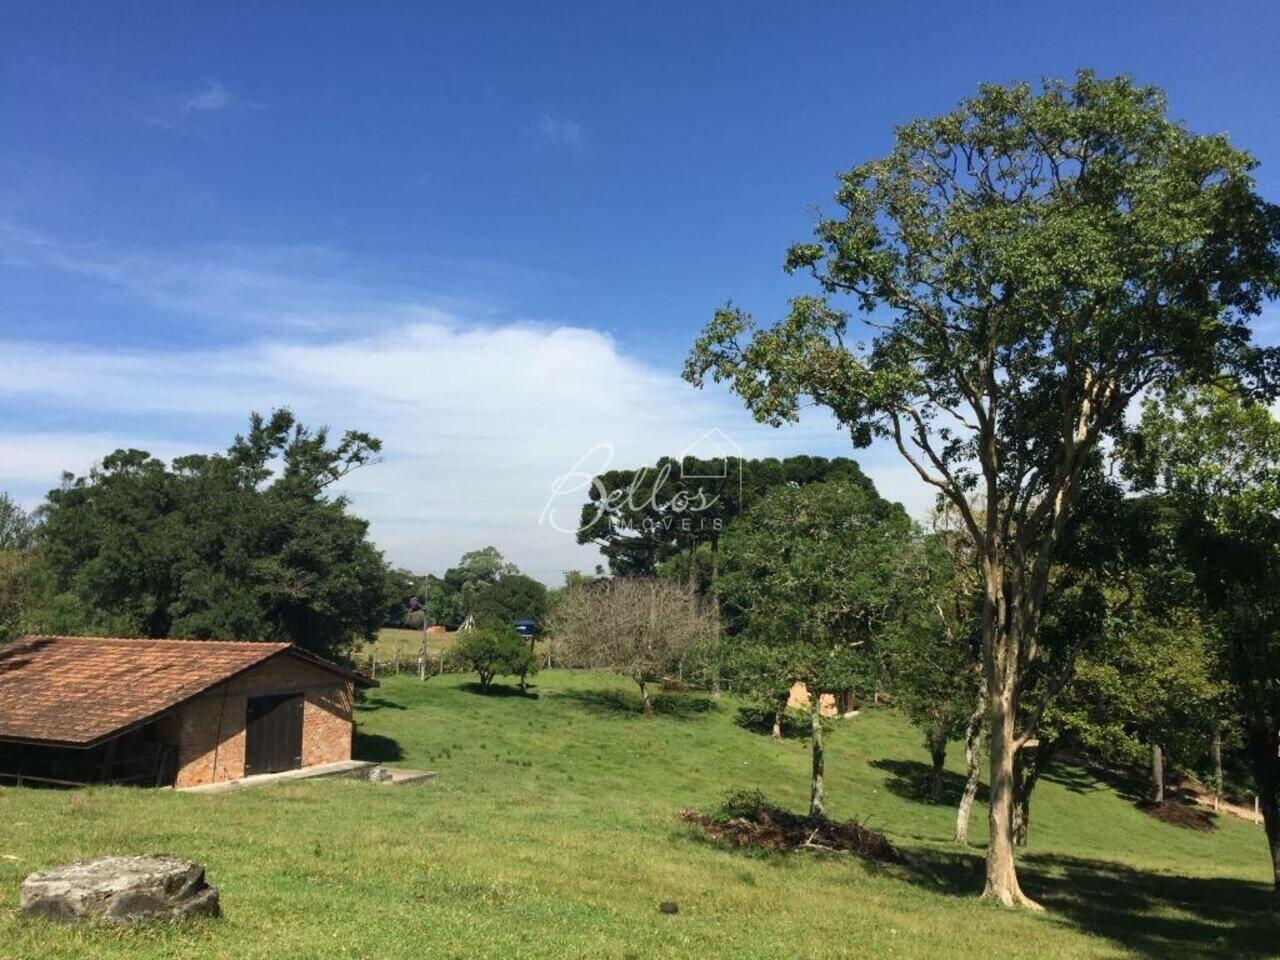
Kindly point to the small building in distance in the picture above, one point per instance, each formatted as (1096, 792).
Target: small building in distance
(180, 713)
(836, 704)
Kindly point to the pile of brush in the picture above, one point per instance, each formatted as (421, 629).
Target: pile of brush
(747, 819)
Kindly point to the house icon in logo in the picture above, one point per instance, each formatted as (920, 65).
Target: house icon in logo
(707, 456)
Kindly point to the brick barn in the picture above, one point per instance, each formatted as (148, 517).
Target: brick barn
(180, 713)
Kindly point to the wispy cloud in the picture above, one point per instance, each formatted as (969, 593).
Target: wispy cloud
(261, 288)
(179, 114)
(214, 96)
(478, 422)
(480, 415)
(563, 133)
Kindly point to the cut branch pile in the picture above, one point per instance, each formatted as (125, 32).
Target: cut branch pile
(1179, 814)
(770, 828)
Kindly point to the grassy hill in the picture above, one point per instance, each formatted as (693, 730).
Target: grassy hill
(551, 832)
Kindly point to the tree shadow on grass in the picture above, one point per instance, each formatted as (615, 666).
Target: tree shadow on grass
(911, 779)
(1178, 810)
(1152, 915)
(621, 703)
(498, 690)
(374, 746)
(760, 721)
(366, 702)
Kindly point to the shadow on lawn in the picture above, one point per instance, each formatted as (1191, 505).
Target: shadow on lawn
(910, 779)
(760, 721)
(1179, 808)
(373, 746)
(366, 702)
(498, 690)
(1153, 915)
(618, 702)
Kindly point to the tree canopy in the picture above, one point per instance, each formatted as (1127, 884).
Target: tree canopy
(642, 517)
(486, 586)
(247, 544)
(811, 577)
(1025, 265)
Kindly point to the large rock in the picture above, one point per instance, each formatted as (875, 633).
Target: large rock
(120, 889)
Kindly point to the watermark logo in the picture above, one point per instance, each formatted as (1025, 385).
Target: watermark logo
(679, 496)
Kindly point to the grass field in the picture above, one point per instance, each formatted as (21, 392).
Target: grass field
(551, 832)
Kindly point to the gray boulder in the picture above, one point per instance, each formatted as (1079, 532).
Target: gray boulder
(120, 889)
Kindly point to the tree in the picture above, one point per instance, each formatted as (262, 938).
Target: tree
(636, 626)
(665, 512)
(247, 544)
(513, 597)
(931, 657)
(17, 527)
(17, 540)
(1216, 462)
(1027, 264)
(496, 650)
(811, 577)
(476, 587)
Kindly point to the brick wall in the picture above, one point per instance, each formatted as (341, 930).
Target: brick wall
(210, 731)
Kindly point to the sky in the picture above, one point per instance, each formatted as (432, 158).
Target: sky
(485, 233)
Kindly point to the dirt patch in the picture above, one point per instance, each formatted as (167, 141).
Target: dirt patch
(1178, 814)
(747, 820)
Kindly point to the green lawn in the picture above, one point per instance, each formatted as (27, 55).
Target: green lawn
(551, 832)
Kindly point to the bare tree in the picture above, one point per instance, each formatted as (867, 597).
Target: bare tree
(638, 627)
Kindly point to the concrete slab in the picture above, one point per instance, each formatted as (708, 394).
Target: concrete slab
(353, 769)
(407, 778)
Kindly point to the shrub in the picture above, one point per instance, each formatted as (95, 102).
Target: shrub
(496, 651)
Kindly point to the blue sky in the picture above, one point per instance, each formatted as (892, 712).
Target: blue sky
(487, 234)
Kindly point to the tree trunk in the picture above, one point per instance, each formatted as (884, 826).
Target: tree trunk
(972, 734)
(1002, 875)
(1216, 749)
(938, 754)
(644, 696)
(1157, 772)
(715, 608)
(819, 760)
(1271, 821)
(1262, 745)
(779, 709)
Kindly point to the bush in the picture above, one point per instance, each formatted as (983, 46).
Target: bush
(496, 651)
(739, 805)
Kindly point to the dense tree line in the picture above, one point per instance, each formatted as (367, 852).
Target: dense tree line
(246, 544)
(485, 587)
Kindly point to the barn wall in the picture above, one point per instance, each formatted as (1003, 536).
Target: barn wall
(210, 731)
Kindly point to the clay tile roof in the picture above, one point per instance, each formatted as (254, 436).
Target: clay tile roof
(80, 690)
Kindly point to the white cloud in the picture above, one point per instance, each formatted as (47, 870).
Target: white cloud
(478, 417)
(562, 132)
(478, 422)
(214, 96)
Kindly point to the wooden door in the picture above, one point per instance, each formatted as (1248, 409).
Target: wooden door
(273, 734)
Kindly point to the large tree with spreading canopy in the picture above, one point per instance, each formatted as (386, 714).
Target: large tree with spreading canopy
(1025, 266)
